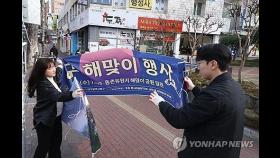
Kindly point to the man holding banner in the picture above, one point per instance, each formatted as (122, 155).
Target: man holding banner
(215, 116)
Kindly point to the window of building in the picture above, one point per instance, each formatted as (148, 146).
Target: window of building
(79, 9)
(71, 14)
(119, 4)
(104, 2)
(64, 20)
(225, 10)
(197, 8)
(67, 17)
(75, 10)
(160, 5)
(83, 8)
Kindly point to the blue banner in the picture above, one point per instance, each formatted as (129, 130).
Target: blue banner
(76, 114)
(121, 71)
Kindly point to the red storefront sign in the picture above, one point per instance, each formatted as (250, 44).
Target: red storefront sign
(153, 24)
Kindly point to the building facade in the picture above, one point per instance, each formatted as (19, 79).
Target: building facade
(147, 25)
(31, 12)
(52, 8)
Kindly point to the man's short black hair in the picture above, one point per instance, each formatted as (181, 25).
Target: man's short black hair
(218, 52)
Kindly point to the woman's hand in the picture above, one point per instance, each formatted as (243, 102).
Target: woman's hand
(77, 93)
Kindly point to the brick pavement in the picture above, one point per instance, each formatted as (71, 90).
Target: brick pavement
(131, 136)
(250, 152)
(121, 134)
(73, 145)
(141, 104)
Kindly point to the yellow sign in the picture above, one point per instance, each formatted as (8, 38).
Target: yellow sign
(141, 4)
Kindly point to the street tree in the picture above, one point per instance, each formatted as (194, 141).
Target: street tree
(245, 15)
(32, 46)
(197, 27)
(200, 26)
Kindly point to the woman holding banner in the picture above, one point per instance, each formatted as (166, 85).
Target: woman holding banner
(47, 111)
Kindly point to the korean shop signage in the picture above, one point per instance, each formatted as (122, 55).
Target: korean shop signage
(153, 24)
(110, 18)
(141, 4)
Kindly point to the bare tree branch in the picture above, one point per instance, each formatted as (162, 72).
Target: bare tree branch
(201, 26)
(247, 12)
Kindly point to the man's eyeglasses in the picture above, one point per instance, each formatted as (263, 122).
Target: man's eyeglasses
(200, 62)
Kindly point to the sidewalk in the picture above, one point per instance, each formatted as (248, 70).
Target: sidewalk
(131, 128)
(249, 74)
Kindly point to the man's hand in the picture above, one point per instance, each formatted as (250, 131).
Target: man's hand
(155, 98)
(189, 84)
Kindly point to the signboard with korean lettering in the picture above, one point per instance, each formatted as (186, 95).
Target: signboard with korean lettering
(113, 19)
(117, 18)
(141, 4)
(93, 46)
(153, 24)
(108, 32)
(125, 38)
(121, 71)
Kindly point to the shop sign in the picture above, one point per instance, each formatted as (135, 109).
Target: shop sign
(124, 34)
(93, 46)
(113, 19)
(110, 18)
(153, 24)
(108, 32)
(141, 4)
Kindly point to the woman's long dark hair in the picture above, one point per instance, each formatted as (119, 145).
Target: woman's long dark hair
(37, 74)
